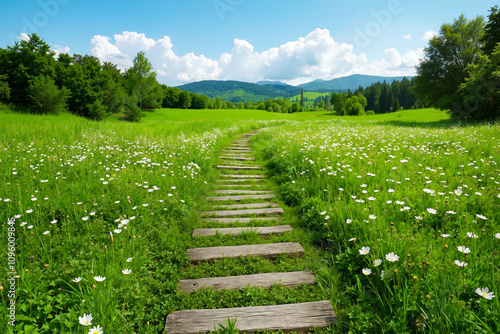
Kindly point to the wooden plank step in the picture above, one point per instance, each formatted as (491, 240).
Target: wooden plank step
(239, 167)
(247, 205)
(237, 144)
(233, 148)
(241, 191)
(235, 154)
(229, 213)
(250, 176)
(300, 317)
(266, 230)
(288, 279)
(240, 220)
(263, 250)
(239, 180)
(239, 197)
(241, 185)
(236, 158)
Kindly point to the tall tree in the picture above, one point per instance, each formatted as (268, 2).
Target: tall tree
(445, 59)
(301, 97)
(491, 36)
(141, 80)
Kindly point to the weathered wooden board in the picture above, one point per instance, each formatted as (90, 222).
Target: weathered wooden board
(240, 185)
(240, 220)
(290, 317)
(263, 250)
(234, 148)
(241, 191)
(247, 206)
(205, 232)
(236, 158)
(240, 167)
(239, 197)
(240, 180)
(288, 279)
(249, 176)
(229, 213)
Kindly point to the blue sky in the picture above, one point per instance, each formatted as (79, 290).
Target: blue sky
(288, 40)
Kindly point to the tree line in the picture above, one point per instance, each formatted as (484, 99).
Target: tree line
(460, 71)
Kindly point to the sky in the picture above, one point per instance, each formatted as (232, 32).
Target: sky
(292, 41)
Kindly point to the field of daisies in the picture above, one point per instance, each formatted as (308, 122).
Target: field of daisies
(93, 217)
(409, 216)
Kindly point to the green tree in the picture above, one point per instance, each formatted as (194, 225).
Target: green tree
(46, 96)
(295, 107)
(185, 100)
(395, 105)
(446, 57)
(171, 97)
(4, 88)
(479, 96)
(218, 103)
(132, 112)
(491, 36)
(141, 82)
(302, 97)
(249, 105)
(241, 105)
(337, 100)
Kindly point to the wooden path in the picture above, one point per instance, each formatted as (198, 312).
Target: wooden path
(246, 181)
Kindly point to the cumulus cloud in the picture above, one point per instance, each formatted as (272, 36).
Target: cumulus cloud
(60, 49)
(408, 36)
(315, 56)
(429, 35)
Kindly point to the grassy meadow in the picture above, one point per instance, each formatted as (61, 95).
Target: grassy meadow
(399, 212)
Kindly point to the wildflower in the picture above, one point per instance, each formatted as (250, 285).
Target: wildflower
(17, 216)
(53, 221)
(485, 293)
(377, 262)
(372, 216)
(432, 211)
(34, 199)
(96, 330)
(327, 217)
(118, 230)
(348, 221)
(85, 218)
(77, 279)
(458, 192)
(472, 235)
(29, 211)
(126, 271)
(46, 232)
(445, 235)
(389, 202)
(92, 213)
(400, 202)
(463, 249)
(382, 274)
(352, 239)
(418, 218)
(323, 213)
(481, 217)
(99, 278)
(461, 263)
(371, 198)
(451, 212)
(391, 257)
(129, 259)
(86, 320)
(497, 235)
(391, 190)
(364, 250)
(367, 271)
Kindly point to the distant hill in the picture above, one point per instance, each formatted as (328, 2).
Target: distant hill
(236, 91)
(272, 83)
(350, 82)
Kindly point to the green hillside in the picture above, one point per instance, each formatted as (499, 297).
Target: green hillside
(236, 91)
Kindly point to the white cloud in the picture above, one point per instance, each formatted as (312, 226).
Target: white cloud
(408, 36)
(429, 35)
(59, 49)
(23, 37)
(315, 56)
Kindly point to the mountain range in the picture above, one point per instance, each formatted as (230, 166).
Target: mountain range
(237, 91)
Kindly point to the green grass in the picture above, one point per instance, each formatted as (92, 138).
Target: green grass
(65, 168)
(375, 182)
